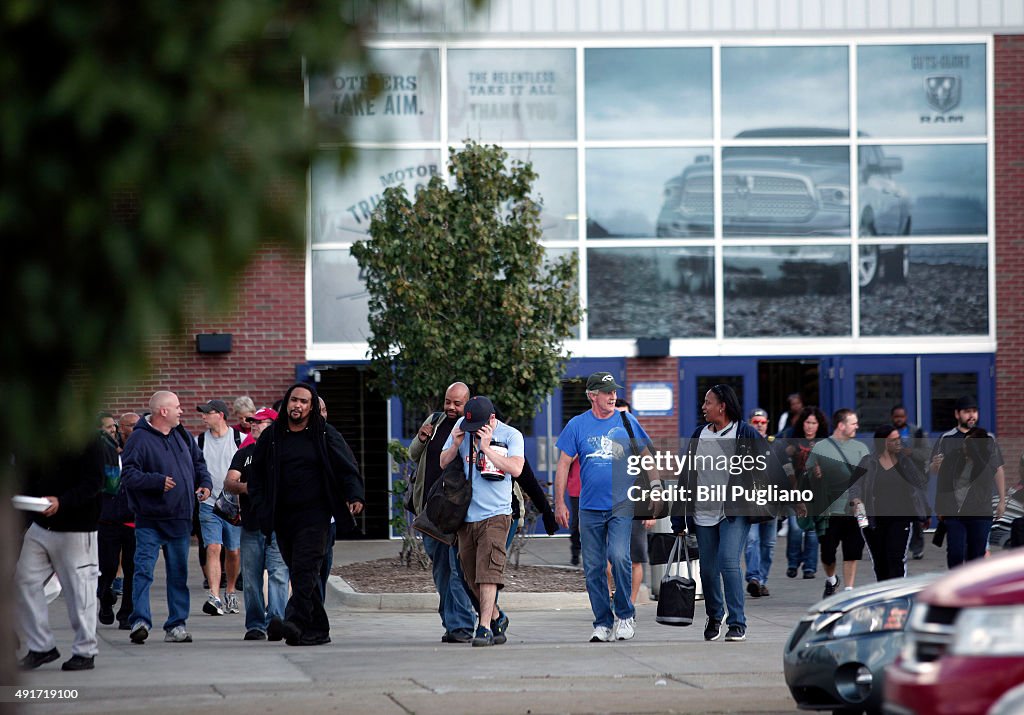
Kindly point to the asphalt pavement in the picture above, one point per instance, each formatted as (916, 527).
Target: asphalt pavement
(392, 661)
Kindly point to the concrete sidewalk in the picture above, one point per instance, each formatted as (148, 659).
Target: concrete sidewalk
(384, 663)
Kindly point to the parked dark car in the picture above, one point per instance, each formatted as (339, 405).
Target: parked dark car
(836, 657)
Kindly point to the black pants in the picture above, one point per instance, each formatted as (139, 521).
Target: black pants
(574, 526)
(302, 543)
(888, 541)
(917, 538)
(116, 544)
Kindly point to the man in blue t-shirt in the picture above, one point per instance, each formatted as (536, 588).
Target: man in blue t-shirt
(495, 456)
(601, 441)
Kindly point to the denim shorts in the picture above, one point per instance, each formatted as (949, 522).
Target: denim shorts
(216, 530)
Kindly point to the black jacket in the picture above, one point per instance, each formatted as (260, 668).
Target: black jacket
(75, 479)
(342, 481)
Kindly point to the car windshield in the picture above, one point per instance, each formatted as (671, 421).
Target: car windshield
(808, 154)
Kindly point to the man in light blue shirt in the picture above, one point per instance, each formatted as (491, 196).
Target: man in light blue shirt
(492, 457)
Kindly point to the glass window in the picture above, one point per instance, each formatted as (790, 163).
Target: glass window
(342, 205)
(786, 191)
(574, 398)
(939, 289)
(555, 188)
(511, 94)
(947, 388)
(650, 292)
(786, 290)
(554, 254)
(340, 301)
(874, 396)
(407, 107)
(782, 88)
(923, 190)
(655, 93)
(649, 192)
(921, 90)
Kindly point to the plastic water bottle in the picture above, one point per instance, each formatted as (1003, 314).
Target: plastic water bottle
(862, 516)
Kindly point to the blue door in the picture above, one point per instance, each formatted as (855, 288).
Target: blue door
(697, 375)
(872, 386)
(944, 378)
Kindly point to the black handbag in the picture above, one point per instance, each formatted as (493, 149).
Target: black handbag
(227, 509)
(448, 500)
(678, 594)
(660, 545)
(647, 508)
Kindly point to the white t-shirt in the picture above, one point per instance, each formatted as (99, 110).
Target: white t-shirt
(713, 445)
(218, 452)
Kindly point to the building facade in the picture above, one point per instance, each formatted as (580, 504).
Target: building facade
(816, 197)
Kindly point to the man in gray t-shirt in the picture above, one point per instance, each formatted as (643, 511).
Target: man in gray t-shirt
(832, 467)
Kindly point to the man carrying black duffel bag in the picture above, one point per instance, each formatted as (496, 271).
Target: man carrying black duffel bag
(493, 456)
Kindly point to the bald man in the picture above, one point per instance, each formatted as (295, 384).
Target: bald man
(163, 471)
(455, 608)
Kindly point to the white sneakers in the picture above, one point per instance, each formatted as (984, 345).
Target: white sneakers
(624, 630)
(231, 603)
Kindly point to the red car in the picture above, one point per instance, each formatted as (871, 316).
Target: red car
(965, 645)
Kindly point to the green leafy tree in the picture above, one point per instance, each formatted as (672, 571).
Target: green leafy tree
(460, 289)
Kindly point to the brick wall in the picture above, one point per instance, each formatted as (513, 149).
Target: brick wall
(1009, 218)
(268, 328)
(664, 431)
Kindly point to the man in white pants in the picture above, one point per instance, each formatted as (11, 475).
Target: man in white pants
(61, 540)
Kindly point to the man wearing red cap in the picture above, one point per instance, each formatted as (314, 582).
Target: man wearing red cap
(492, 457)
(257, 554)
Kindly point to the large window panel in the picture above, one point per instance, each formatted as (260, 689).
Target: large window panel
(673, 100)
(921, 90)
(554, 254)
(939, 289)
(783, 291)
(649, 192)
(407, 107)
(791, 91)
(342, 205)
(650, 292)
(786, 191)
(512, 94)
(929, 190)
(340, 301)
(555, 189)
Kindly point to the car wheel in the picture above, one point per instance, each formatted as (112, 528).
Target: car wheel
(896, 265)
(867, 266)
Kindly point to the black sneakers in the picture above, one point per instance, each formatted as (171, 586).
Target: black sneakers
(831, 588)
(139, 633)
(484, 637)
(736, 633)
(79, 662)
(254, 634)
(498, 627)
(36, 658)
(713, 630)
(279, 629)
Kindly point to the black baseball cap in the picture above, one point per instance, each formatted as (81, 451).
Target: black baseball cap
(213, 406)
(966, 403)
(478, 413)
(602, 382)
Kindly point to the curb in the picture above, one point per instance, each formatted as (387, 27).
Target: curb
(342, 594)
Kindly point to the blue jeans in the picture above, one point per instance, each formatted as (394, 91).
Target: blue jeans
(966, 538)
(720, 549)
(454, 607)
(257, 557)
(148, 544)
(759, 550)
(801, 547)
(604, 537)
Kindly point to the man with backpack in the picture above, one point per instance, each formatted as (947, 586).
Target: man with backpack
(219, 444)
(455, 607)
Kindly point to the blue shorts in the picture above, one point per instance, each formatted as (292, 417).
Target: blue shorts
(216, 530)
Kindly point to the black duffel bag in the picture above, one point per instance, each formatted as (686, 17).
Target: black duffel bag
(678, 594)
(448, 500)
